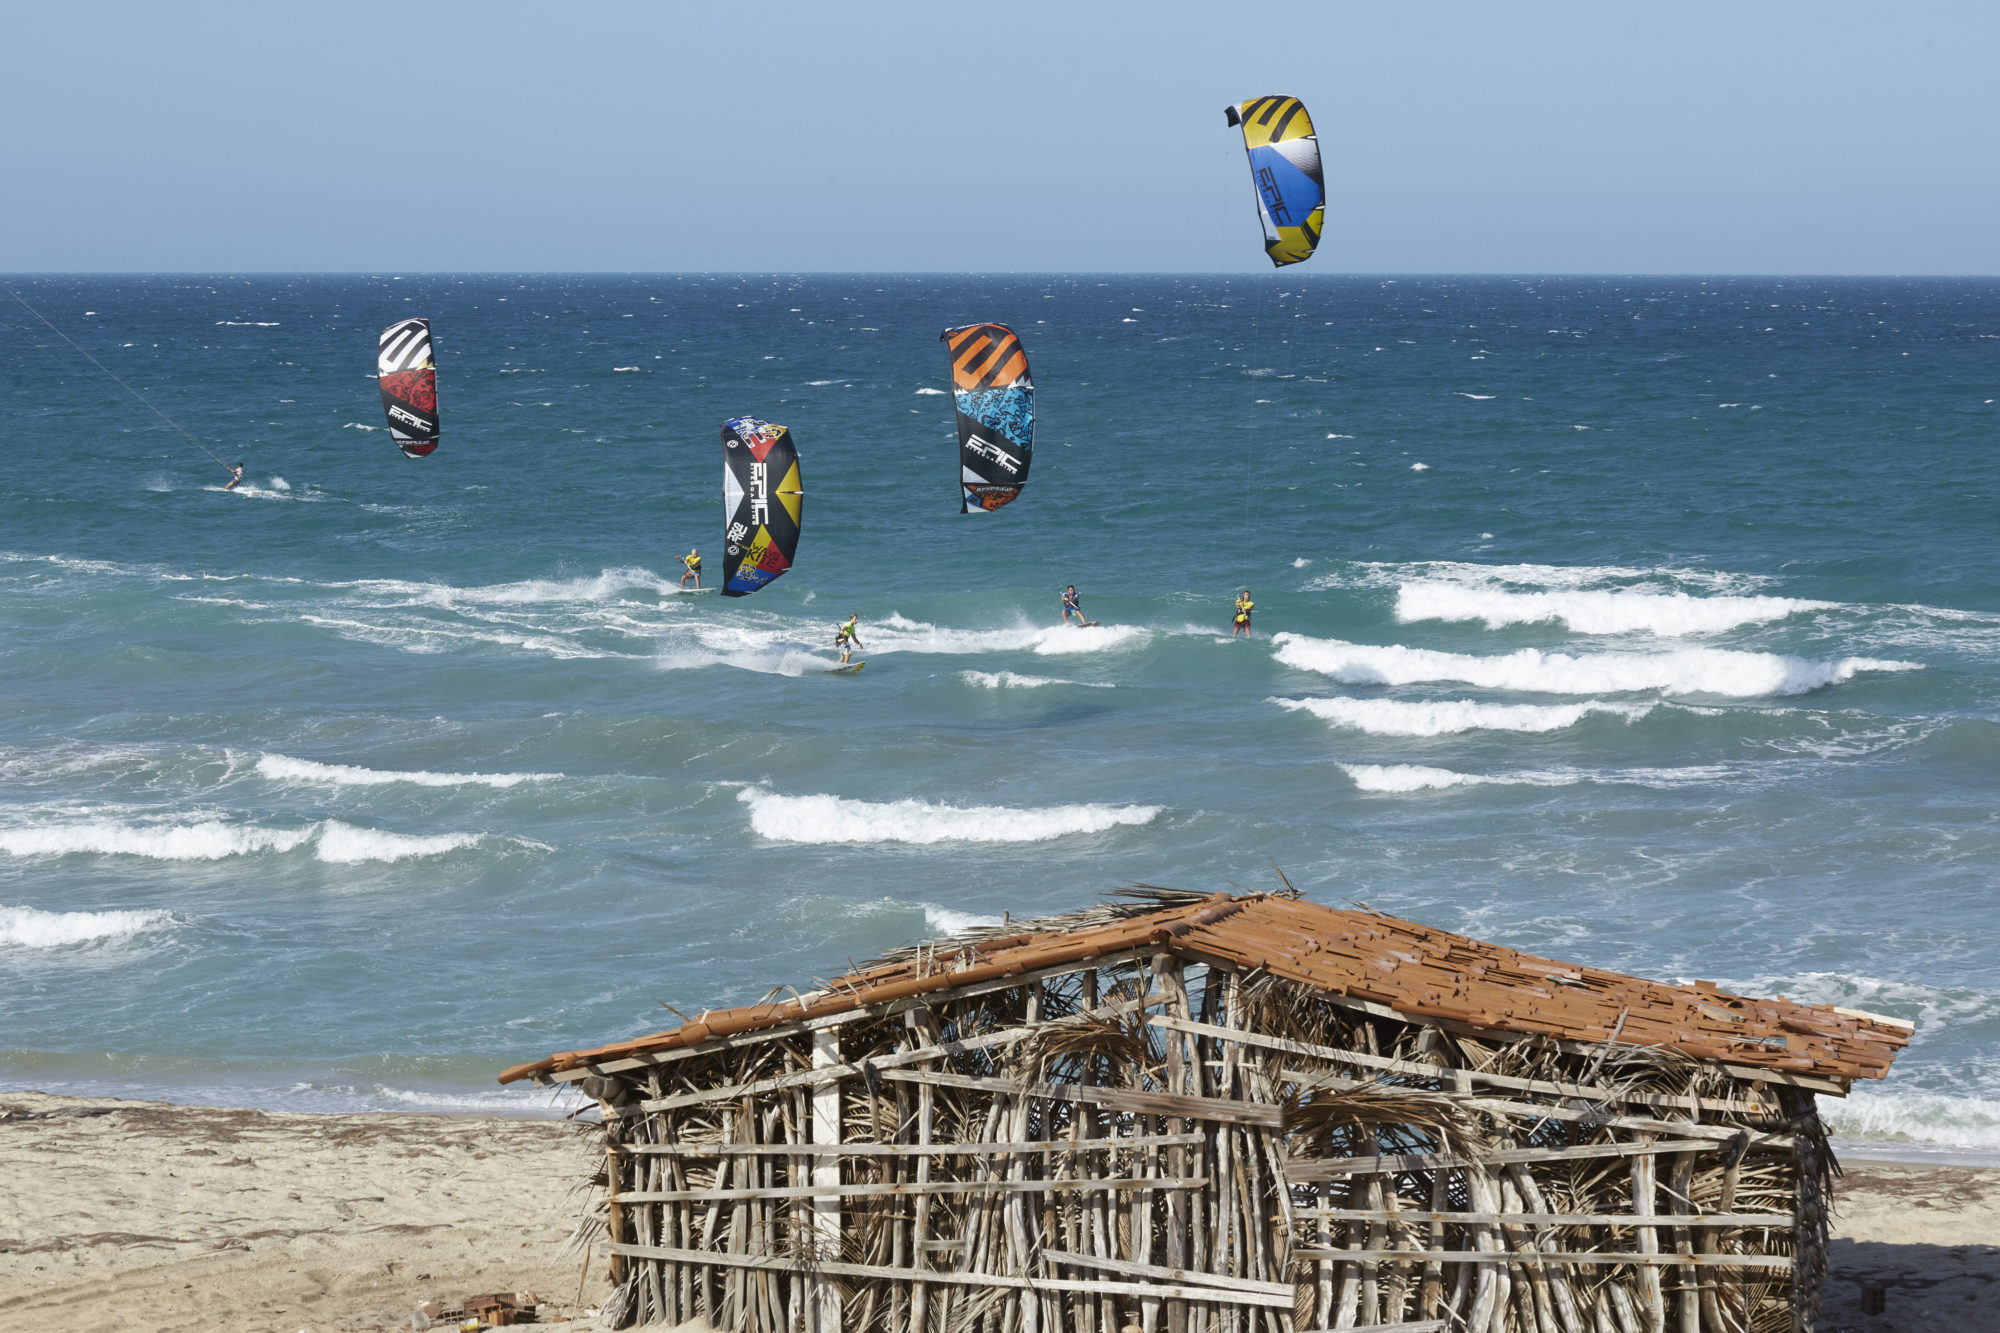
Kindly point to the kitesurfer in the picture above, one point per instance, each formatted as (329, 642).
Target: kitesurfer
(235, 476)
(693, 562)
(1243, 609)
(845, 639)
(1072, 603)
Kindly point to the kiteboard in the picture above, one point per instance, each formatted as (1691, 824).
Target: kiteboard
(689, 592)
(849, 669)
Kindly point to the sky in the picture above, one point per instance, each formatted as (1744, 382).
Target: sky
(1698, 137)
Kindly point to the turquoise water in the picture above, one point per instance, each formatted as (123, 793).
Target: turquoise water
(1650, 623)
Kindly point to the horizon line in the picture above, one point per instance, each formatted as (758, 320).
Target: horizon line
(1386, 275)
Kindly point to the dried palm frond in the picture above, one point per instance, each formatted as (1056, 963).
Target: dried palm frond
(1323, 1117)
(1112, 1049)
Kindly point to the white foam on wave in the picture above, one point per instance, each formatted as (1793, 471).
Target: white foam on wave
(896, 634)
(1915, 1118)
(928, 392)
(1932, 1008)
(836, 819)
(504, 1100)
(1417, 777)
(945, 921)
(205, 840)
(332, 841)
(1715, 671)
(769, 650)
(33, 928)
(1393, 574)
(1013, 680)
(344, 844)
(252, 491)
(282, 768)
(429, 638)
(1594, 610)
(602, 586)
(1448, 717)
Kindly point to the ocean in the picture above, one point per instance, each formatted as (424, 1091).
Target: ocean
(1651, 623)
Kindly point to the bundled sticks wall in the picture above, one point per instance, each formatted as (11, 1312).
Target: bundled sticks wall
(1176, 1144)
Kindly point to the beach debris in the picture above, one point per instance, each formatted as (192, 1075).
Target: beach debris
(80, 1112)
(495, 1310)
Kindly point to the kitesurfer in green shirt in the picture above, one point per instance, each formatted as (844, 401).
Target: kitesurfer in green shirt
(845, 639)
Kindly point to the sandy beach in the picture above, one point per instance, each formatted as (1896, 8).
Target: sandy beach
(122, 1215)
(140, 1215)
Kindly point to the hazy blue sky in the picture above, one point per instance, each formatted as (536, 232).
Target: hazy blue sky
(1522, 137)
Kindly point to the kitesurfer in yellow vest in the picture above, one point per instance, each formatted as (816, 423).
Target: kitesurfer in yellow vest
(235, 476)
(845, 639)
(693, 562)
(1243, 608)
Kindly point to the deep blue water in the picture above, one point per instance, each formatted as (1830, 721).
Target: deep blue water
(1650, 623)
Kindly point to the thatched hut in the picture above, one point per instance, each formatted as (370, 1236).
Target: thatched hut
(1226, 1115)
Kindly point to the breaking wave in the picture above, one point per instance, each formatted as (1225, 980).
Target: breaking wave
(1448, 717)
(835, 819)
(598, 587)
(1014, 680)
(283, 769)
(1416, 777)
(332, 841)
(1594, 610)
(32, 928)
(1933, 1119)
(1716, 671)
(207, 840)
(1392, 574)
(344, 844)
(947, 922)
(895, 634)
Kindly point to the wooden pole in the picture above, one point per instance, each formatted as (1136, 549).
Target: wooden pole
(826, 1171)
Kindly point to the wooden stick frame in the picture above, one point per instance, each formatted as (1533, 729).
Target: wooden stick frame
(1159, 1142)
